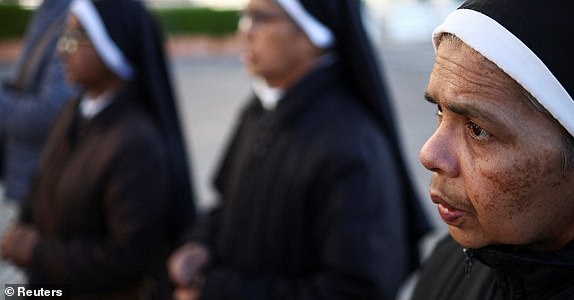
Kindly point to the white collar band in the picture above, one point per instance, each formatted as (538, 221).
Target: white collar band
(107, 49)
(497, 44)
(268, 96)
(319, 34)
(90, 107)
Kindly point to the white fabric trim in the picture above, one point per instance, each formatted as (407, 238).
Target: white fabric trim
(108, 50)
(319, 34)
(509, 53)
(90, 107)
(268, 96)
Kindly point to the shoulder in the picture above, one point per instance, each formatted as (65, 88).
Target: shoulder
(129, 129)
(348, 125)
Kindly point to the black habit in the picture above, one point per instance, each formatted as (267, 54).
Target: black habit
(114, 193)
(99, 203)
(313, 202)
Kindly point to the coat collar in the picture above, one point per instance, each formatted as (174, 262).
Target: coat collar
(302, 95)
(530, 273)
(119, 102)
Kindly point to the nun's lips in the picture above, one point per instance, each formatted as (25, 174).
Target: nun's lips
(449, 214)
(247, 57)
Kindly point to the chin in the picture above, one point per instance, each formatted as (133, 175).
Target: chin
(247, 60)
(249, 69)
(468, 240)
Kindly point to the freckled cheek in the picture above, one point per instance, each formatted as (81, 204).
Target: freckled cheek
(502, 195)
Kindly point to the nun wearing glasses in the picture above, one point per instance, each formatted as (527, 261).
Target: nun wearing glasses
(315, 199)
(114, 170)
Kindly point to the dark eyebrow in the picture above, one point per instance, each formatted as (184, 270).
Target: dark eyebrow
(469, 111)
(464, 109)
(430, 99)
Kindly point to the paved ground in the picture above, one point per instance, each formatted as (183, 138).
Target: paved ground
(211, 87)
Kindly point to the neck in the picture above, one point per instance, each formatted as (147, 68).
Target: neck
(96, 91)
(300, 70)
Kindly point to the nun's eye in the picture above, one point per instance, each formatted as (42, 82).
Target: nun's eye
(477, 131)
(67, 45)
(70, 40)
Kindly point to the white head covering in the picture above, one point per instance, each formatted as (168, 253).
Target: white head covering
(530, 40)
(105, 46)
(319, 34)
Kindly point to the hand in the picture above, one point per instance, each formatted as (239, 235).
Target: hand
(185, 265)
(186, 294)
(18, 244)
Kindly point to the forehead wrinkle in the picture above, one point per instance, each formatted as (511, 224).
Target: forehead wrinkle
(478, 88)
(480, 77)
(468, 107)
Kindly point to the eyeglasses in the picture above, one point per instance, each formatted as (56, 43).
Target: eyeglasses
(71, 40)
(254, 19)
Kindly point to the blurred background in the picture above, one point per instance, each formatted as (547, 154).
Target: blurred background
(211, 85)
(405, 20)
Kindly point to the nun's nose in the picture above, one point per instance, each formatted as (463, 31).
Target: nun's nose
(438, 154)
(245, 25)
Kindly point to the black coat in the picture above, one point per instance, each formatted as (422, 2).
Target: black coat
(312, 203)
(100, 202)
(497, 273)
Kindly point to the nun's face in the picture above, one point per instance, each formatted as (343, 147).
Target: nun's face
(275, 48)
(497, 175)
(82, 63)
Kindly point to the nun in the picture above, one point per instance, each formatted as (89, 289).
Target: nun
(502, 155)
(113, 191)
(315, 198)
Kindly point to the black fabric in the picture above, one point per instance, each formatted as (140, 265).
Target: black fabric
(2, 151)
(443, 276)
(37, 55)
(312, 205)
(524, 274)
(98, 209)
(37, 51)
(136, 33)
(497, 272)
(546, 27)
(363, 75)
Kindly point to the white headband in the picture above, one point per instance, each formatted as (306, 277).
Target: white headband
(510, 54)
(105, 46)
(319, 34)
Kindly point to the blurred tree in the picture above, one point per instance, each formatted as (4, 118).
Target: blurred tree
(13, 19)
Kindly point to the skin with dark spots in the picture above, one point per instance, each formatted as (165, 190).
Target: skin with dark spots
(496, 161)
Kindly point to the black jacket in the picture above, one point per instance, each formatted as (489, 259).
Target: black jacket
(496, 272)
(312, 206)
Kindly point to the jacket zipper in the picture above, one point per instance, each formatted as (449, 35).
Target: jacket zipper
(469, 261)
